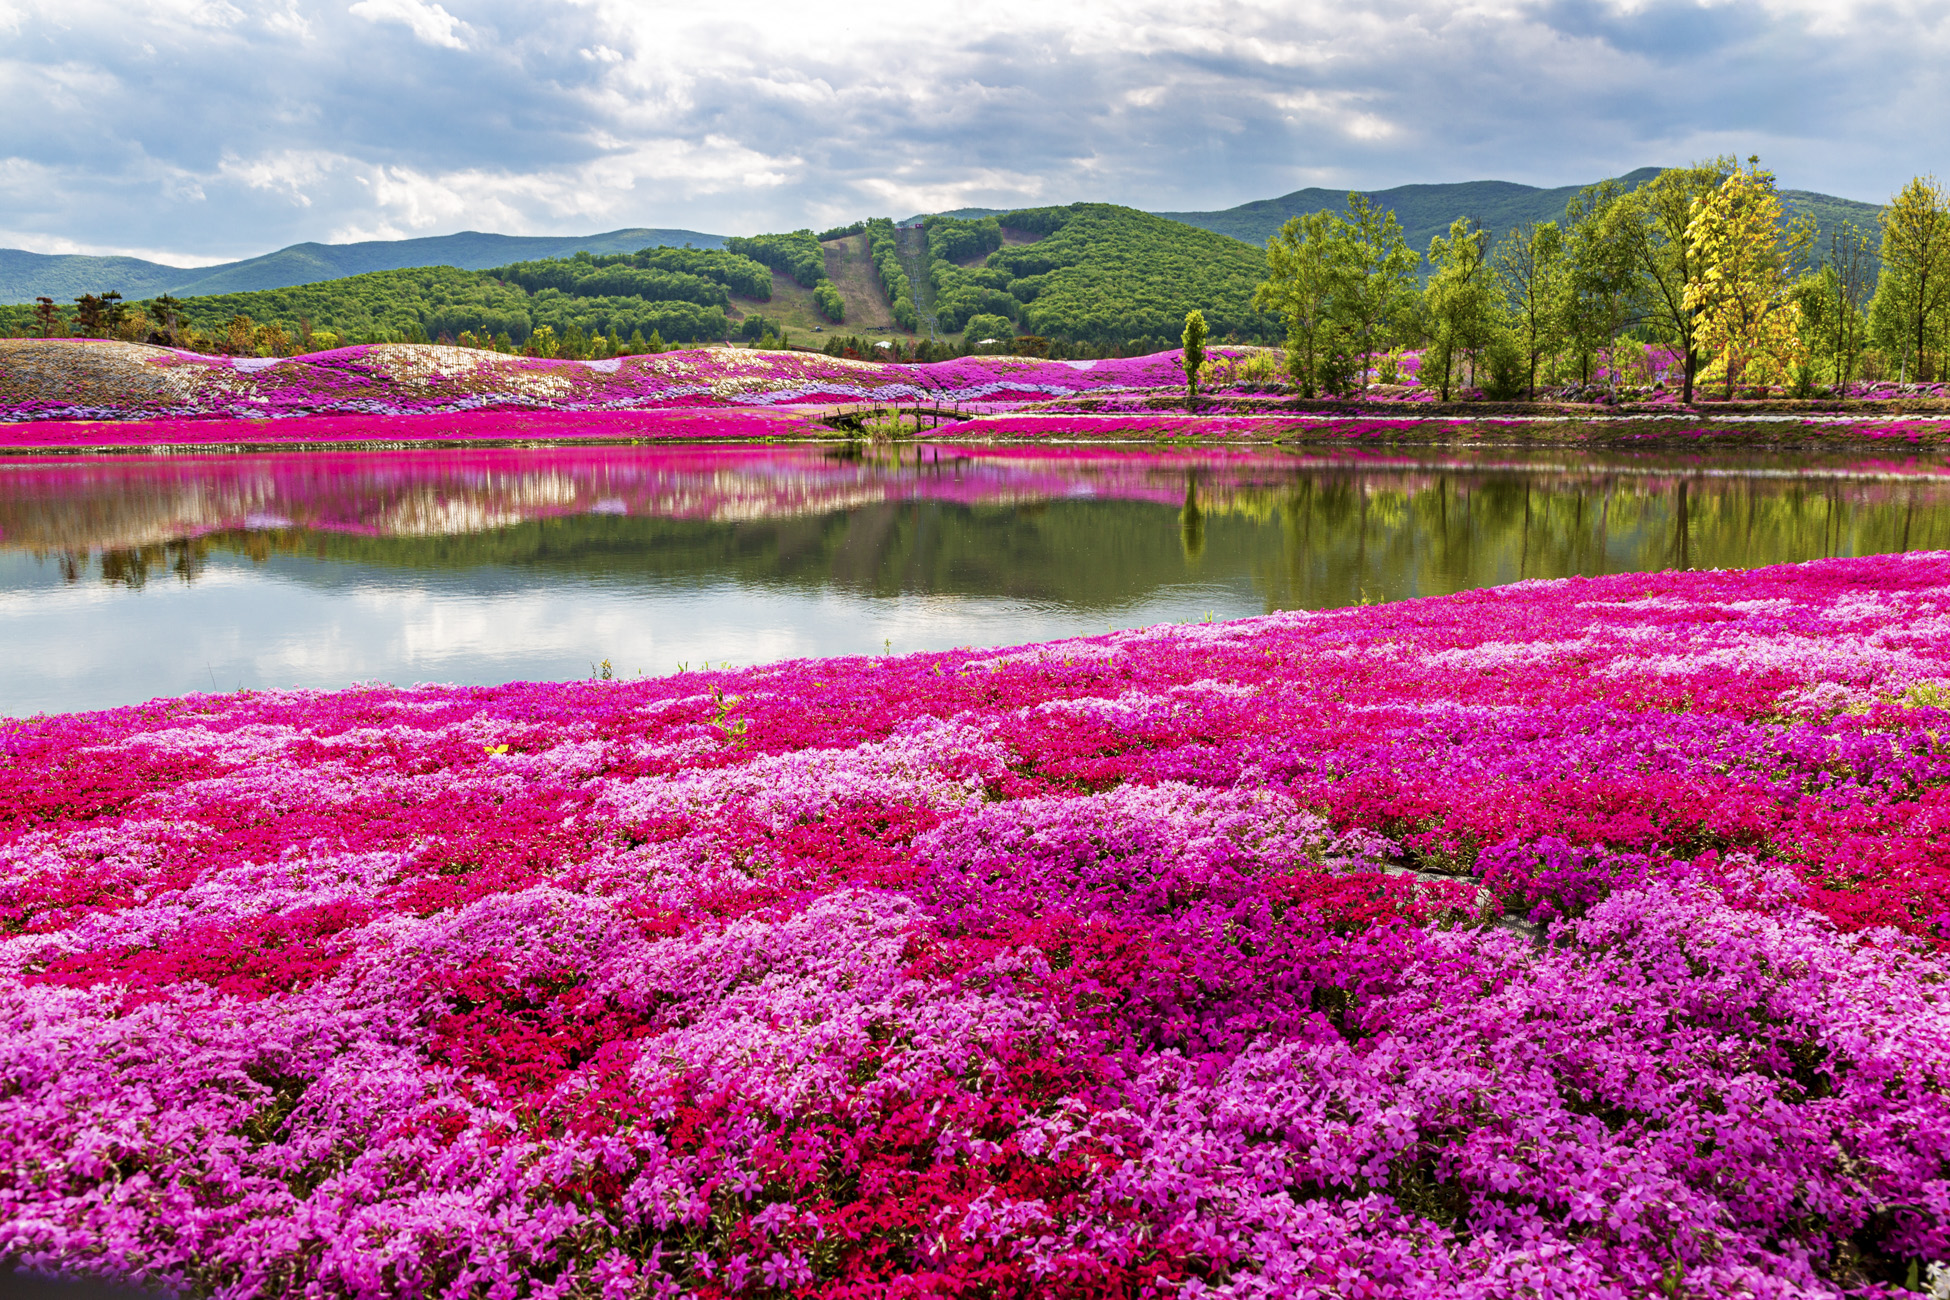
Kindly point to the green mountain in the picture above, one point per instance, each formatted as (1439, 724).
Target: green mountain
(62, 277)
(1094, 272)
(1829, 212)
(1089, 273)
(1426, 210)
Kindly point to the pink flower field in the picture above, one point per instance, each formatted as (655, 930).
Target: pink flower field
(1584, 939)
(73, 394)
(90, 380)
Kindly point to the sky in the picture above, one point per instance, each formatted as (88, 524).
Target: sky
(197, 131)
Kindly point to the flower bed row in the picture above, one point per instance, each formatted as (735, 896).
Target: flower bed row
(88, 380)
(73, 393)
(501, 425)
(1081, 969)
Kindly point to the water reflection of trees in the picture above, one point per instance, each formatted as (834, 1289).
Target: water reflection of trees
(1340, 534)
(133, 566)
(1304, 538)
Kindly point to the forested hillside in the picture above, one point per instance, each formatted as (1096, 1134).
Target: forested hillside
(1423, 210)
(25, 276)
(1093, 277)
(1101, 273)
(1088, 274)
(677, 295)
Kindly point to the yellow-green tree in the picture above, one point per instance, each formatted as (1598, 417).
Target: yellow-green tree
(1743, 295)
(1653, 223)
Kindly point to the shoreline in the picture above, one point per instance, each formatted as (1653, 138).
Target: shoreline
(517, 426)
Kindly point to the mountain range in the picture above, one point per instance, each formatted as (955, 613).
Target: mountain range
(62, 276)
(1423, 210)
(1426, 210)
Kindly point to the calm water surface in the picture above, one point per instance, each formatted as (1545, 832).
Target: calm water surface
(126, 578)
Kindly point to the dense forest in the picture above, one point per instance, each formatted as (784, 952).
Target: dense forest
(1091, 276)
(799, 255)
(669, 294)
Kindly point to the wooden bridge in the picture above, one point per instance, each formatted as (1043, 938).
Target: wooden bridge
(861, 416)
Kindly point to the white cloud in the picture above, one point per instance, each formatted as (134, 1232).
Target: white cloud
(576, 115)
(430, 23)
(289, 21)
(609, 190)
(41, 241)
(292, 172)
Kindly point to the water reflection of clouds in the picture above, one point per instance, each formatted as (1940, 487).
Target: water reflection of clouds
(244, 626)
(488, 567)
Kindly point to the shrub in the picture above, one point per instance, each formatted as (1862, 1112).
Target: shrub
(990, 327)
(1505, 372)
(831, 305)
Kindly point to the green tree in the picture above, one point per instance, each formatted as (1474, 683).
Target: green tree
(88, 316)
(167, 313)
(1653, 224)
(1193, 340)
(1603, 289)
(1302, 273)
(1375, 280)
(988, 326)
(1460, 304)
(1912, 298)
(1530, 270)
(47, 317)
(1833, 298)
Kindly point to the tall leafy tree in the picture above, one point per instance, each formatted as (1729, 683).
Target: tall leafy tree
(1744, 296)
(115, 313)
(1375, 280)
(1302, 273)
(1833, 299)
(1531, 270)
(1604, 292)
(1460, 303)
(1653, 224)
(1912, 303)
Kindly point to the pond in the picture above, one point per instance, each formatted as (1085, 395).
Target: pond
(125, 578)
